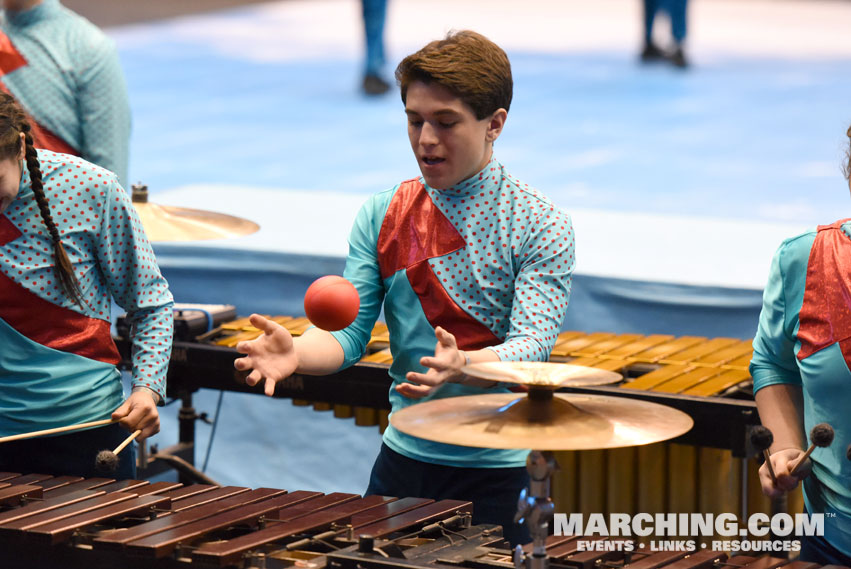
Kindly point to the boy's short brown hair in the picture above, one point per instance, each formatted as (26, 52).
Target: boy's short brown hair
(468, 64)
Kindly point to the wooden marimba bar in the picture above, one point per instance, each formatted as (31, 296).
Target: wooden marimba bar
(67, 522)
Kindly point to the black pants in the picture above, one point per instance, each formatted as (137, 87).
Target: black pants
(73, 454)
(816, 549)
(493, 491)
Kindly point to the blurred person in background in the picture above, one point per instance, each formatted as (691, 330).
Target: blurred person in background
(65, 72)
(676, 10)
(374, 17)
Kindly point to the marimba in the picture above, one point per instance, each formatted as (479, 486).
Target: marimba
(67, 522)
(98, 523)
(708, 469)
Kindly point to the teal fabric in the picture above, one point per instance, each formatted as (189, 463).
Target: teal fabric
(73, 83)
(43, 388)
(823, 376)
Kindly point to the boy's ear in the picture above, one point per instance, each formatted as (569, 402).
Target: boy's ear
(495, 124)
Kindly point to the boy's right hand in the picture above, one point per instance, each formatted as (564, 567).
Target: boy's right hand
(271, 357)
(783, 461)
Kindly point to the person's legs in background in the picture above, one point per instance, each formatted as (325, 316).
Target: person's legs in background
(374, 17)
(651, 51)
(677, 11)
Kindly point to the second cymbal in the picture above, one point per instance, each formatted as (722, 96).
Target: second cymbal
(543, 374)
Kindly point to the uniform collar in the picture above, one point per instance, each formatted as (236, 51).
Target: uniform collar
(25, 18)
(486, 178)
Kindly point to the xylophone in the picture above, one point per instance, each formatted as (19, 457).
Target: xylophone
(707, 469)
(67, 522)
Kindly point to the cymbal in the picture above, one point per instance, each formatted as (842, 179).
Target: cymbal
(542, 420)
(169, 223)
(542, 374)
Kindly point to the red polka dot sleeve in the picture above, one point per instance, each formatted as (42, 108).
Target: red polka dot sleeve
(129, 268)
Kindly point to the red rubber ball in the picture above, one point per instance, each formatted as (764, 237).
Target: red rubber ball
(331, 303)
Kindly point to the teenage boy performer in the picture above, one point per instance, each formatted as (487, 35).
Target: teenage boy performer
(466, 254)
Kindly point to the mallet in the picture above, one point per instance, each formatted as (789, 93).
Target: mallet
(57, 430)
(820, 436)
(107, 460)
(761, 439)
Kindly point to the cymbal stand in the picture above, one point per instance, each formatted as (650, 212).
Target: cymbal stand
(536, 508)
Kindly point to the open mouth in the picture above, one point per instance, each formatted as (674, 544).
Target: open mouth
(431, 161)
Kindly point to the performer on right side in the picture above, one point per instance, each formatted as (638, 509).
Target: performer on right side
(800, 369)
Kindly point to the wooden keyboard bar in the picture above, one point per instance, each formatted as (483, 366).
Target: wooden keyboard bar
(719, 383)
(743, 348)
(47, 505)
(582, 342)
(424, 514)
(699, 350)
(208, 497)
(639, 346)
(665, 349)
(606, 345)
(657, 377)
(87, 484)
(656, 560)
(686, 380)
(28, 479)
(59, 531)
(228, 552)
(59, 481)
(65, 511)
(16, 494)
(164, 543)
(188, 516)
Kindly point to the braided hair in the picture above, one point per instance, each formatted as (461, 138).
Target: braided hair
(13, 122)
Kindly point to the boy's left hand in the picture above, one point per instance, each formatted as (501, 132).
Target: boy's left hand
(444, 366)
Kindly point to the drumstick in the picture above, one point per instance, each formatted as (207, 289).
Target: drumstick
(57, 430)
(820, 436)
(761, 439)
(107, 460)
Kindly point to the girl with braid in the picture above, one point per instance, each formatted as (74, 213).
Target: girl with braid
(70, 243)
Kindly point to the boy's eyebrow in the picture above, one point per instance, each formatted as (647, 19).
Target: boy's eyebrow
(441, 112)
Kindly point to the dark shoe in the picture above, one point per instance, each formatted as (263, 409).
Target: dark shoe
(652, 53)
(678, 58)
(375, 85)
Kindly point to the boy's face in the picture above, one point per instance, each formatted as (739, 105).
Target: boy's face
(450, 144)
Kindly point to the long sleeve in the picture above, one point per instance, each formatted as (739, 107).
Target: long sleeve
(774, 344)
(541, 293)
(130, 270)
(362, 270)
